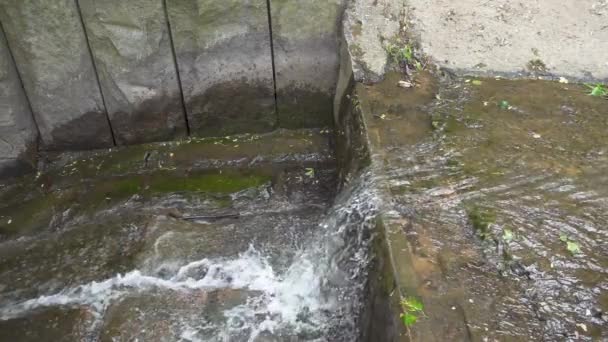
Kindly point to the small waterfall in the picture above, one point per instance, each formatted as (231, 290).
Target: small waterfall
(317, 297)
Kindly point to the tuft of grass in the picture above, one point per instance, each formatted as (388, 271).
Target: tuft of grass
(310, 172)
(597, 89)
(411, 308)
(536, 65)
(400, 55)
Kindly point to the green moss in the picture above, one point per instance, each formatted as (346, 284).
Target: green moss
(213, 183)
(27, 216)
(120, 188)
(452, 125)
(223, 202)
(481, 219)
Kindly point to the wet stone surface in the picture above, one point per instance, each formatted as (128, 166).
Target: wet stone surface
(143, 247)
(500, 187)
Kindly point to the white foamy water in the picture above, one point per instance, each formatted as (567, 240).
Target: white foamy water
(317, 292)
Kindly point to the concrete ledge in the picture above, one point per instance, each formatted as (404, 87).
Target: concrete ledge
(514, 38)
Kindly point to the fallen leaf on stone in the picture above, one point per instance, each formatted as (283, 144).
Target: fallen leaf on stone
(507, 235)
(573, 247)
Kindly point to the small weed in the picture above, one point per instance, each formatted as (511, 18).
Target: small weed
(571, 245)
(356, 103)
(403, 55)
(598, 90)
(400, 55)
(310, 172)
(504, 105)
(411, 309)
(536, 65)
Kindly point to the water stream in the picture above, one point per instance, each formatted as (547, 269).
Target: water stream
(279, 259)
(502, 187)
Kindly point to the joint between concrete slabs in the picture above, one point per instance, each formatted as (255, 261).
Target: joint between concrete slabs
(93, 62)
(27, 98)
(274, 70)
(176, 66)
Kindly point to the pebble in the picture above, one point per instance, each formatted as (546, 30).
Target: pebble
(405, 84)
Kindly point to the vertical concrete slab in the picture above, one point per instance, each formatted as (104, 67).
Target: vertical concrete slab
(306, 53)
(50, 50)
(131, 47)
(18, 133)
(224, 59)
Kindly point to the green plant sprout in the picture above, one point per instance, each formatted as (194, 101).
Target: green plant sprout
(399, 55)
(310, 172)
(411, 309)
(598, 90)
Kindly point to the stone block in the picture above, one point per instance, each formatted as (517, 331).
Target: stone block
(225, 64)
(50, 50)
(18, 133)
(306, 46)
(131, 45)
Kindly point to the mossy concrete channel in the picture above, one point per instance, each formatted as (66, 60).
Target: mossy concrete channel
(495, 197)
(342, 181)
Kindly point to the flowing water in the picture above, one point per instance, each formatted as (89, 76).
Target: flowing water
(499, 187)
(502, 190)
(256, 254)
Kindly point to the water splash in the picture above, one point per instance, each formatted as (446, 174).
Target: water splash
(316, 296)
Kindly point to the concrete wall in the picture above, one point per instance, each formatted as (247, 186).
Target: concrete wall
(18, 133)
(306, 38)
(100, 73)
(131, 47)
(225, 62)
(51, 53)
